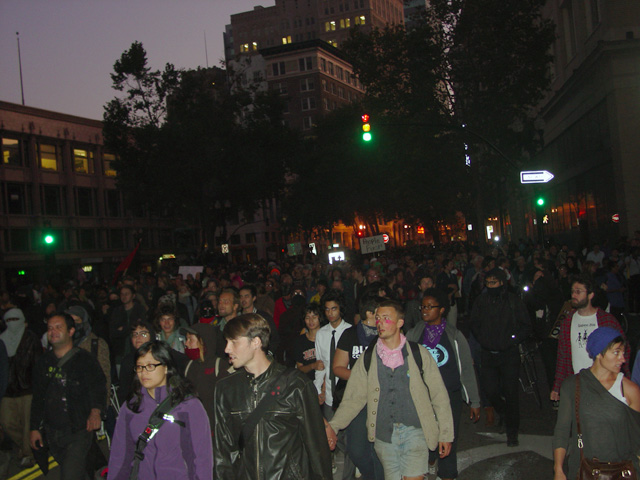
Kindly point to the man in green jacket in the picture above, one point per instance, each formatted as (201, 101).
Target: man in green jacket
(407, 413)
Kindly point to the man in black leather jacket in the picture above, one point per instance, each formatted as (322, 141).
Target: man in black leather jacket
(289, 440)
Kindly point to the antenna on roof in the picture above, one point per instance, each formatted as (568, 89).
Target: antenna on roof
(20, 64)
(205, 49)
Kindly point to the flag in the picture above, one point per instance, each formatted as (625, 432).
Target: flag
(124, 265)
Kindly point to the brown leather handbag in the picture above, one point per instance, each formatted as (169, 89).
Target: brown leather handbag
(594, 469)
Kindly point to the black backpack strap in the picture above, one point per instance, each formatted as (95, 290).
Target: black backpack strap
(368, 353)
(254, 417)
(94, 347)
(160, 415)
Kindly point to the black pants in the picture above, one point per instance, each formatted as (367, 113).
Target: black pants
(499, 374)
(448, 466)
(70, 450)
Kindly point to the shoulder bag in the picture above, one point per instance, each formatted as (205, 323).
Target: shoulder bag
(594, 469)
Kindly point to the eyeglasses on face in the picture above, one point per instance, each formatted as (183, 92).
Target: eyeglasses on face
(149, 368)
(140, 334)
(492, 282)
(427, 308)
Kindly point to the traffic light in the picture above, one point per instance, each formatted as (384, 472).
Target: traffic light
(540, 202)
(49, 239)
(366, 128)
(360, 234)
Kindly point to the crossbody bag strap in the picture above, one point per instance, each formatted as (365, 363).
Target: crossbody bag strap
(254, 417)
(159, 416)
(577, 403)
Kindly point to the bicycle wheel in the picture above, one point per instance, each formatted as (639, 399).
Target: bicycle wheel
(531, 378)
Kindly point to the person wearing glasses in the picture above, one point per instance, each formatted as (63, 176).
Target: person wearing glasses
(575, 330)
(181, 447)
(141, 333)
(451, 352)
(499, 323)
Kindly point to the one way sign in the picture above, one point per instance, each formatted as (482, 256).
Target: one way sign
(535, 176)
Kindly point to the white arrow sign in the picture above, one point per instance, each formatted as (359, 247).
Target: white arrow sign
(535, 176)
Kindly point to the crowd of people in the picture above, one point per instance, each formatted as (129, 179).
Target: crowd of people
(259, 370)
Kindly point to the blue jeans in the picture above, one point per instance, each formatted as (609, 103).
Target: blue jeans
(406, 455)
(361, 450)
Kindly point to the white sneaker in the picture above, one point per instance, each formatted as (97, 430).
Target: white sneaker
(433, 468)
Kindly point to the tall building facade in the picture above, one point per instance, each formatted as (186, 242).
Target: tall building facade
(57, 179)
(592, 120)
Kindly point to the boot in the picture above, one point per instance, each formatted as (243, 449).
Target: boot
(490, 416)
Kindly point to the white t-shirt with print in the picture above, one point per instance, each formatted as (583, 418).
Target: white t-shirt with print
(581, 328)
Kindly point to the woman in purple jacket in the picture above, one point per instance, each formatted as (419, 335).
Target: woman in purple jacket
(181, 448)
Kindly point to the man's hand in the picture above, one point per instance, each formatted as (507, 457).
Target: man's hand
(555, 396)
(444, 448)
(35, 439)
(318, 365)
(331, 435)
(321, 398)
(474, 414)
(94, 420)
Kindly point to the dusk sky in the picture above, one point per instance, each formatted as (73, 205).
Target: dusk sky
(69, 46)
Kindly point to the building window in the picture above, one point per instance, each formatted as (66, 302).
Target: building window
(107, 161)
(52, 200)
(308, 103)
(286, 40)
(116, 239)
(339, 73)
(323, 64)
(360, 20)
(244, 48)
(307, 123)
(306, 84)
(333, 43)
(254, 45)
(326, 104)
(345, 22)
(250, 238)
(86, 239)
(324, 85)
(330, 68)
(305, 63)
(278, 69)
(340, 92)
(280, 88)
(19, 239)
(234, 239)
(18, 199)
(12, 151)
(82, 160)
(568, 22)
(592, 13)
(112, 201)
(85, 202)
(48, 156)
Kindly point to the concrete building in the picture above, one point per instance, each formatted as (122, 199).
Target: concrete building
(57, 179)
(592, 120)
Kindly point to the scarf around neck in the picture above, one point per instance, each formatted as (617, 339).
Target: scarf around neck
(391, 358)
(432, 334)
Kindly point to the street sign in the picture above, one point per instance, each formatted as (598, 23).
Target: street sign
(372, 244)
(225, 248)
(385, 238)
(615, 218)
(535, 176)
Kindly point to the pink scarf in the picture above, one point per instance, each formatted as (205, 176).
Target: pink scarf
(391, 358)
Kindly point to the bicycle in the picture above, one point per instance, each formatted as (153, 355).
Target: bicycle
(528, 375)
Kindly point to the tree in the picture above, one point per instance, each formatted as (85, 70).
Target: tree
(186, 144)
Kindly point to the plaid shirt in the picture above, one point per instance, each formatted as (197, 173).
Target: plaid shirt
(564, 364)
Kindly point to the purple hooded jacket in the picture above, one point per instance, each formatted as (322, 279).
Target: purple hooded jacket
(175, 452)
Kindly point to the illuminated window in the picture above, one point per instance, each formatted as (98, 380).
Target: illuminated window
(360, 20)
(333, 43)
(255, 46)
(48, 156)
(11, 151)
(330, 26)
(286, 40)
(244, 48)
(82, 161)
(107, 160)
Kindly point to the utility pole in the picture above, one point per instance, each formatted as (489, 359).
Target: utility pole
(20, 65)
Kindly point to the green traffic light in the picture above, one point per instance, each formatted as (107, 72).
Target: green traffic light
(540, 201)
(48, 239)
(366, 137)
(21, 272)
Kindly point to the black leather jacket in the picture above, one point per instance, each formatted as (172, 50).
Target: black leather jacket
(289, 442)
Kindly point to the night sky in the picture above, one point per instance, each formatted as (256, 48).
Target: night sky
(69, 47)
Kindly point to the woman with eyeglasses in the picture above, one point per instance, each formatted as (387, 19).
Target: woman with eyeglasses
(180, 448)
(450, 350)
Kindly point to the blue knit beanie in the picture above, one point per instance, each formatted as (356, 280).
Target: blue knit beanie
(599, 339)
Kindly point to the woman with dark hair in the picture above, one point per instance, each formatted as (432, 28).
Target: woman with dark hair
(304, 347)
(181, 447)
(168, 328)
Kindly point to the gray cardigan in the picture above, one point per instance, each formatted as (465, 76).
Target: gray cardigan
(463, 360)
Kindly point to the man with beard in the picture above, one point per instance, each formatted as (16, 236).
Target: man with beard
(499, 322)
(575, 330)
(248, 297)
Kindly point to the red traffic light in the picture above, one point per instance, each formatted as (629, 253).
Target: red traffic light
(365, 118)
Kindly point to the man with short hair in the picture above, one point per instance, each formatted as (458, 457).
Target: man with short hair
(412, 313)
(248, 296)
(408, 409)
(575, 330)
(228, 306)
(499, 323)
(289, 444)
(122, 317)
(69, 396)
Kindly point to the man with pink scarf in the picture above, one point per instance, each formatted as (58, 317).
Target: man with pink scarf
(406, 414)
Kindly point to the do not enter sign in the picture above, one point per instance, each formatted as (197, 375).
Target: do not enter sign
(385, 238)
(615, 218)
